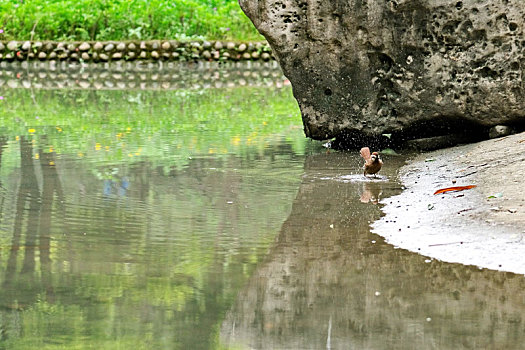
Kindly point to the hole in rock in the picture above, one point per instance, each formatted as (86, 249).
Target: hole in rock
(386, 61)
(486, 72)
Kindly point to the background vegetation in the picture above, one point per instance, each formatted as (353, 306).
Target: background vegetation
(78, 20)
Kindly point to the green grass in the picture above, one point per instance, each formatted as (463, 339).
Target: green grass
(77, 20)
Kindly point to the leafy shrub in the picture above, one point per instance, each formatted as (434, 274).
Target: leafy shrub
(124, 20)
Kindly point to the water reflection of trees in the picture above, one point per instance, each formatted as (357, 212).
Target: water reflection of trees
(326, 284)
(139, 268)
(30, 238)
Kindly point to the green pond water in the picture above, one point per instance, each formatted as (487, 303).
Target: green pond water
(173, 214)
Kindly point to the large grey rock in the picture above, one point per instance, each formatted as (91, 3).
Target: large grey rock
(405, 67)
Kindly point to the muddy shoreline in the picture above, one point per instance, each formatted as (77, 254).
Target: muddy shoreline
(483, 226)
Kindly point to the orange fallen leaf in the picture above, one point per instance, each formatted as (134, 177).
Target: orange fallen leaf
(455, 188)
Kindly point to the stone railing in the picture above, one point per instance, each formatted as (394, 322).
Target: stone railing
(106, 51)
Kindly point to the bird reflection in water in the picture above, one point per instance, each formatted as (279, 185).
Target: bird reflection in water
(371, 192)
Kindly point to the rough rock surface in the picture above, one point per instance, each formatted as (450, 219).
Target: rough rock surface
(407, 67)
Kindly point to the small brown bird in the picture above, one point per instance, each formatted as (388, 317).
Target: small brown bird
(373, 162)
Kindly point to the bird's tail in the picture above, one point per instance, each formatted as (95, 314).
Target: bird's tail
(365, 153)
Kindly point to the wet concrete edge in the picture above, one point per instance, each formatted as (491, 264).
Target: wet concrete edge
(483, 226)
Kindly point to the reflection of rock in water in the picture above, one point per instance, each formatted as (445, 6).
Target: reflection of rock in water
(333, 286)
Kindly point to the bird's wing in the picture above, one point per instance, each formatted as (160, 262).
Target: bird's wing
(365, 153)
